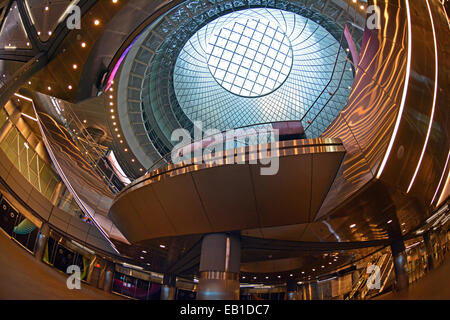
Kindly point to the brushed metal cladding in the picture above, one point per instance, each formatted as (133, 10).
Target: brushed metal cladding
(197, 199)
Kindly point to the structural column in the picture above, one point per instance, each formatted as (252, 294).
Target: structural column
(4, 130)
(429, 250)
(400, 264)
(41, 241)
(219, 267)
(168, 289)
(291, 290)
(108, 279)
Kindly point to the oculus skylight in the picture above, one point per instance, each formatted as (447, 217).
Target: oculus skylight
(262, 65)
(250, 57)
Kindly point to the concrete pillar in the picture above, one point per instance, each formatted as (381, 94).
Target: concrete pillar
(400, 264)
(41, 241)
(109, 277)
(57, 193)
(168, 288)
(219, 267)
(429, 250)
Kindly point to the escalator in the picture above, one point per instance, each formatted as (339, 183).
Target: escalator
(361, 290)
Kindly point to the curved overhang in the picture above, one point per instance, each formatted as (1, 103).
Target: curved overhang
(197, 199)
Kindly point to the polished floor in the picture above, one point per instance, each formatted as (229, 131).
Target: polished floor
(433, 286)
(24, 278)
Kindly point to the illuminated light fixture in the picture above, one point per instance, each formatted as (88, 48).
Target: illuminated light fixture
(118, 136)
(162, 246)
(111, 97)
(441, 198)
(29, 117)
(111, 103)
(113, 117)
(389, 221)
(114, 1)
(29, 82)
(46, 8)
(132, 266)
(49, 88)
(96, 22)
(430, 125)
(442, 178)
(142, 258)
(84, 121)
(69, 87)
(126, 150)
(352, 226)
(313, 270)
(112, 110)
(75, 67)
(49, 33)
(143, 251)
(83, 44)
(405, 90)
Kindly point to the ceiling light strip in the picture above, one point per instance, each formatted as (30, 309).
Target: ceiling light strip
(442, 178)
(405, 91)
(436, 78)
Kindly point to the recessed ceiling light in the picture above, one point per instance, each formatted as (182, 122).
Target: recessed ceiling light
(353, 225)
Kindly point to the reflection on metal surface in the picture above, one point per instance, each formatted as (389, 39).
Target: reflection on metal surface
(433, 108)
(89, 191)
(440, 181)
(405, 91)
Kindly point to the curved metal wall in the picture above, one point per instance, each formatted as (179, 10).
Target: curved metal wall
(384, 126)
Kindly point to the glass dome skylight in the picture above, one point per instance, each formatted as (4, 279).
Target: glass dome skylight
(250, 57)
(262, 65)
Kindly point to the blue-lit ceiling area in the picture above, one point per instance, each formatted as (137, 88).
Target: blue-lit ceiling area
(231, 64)
(262, 65)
